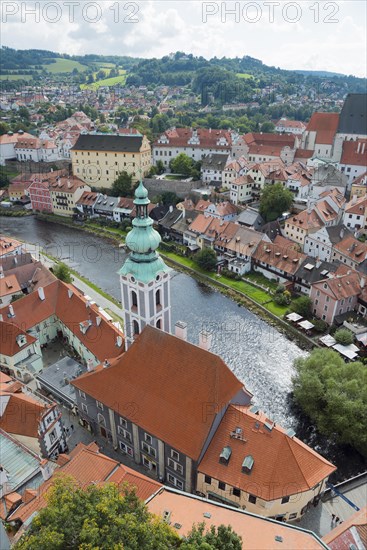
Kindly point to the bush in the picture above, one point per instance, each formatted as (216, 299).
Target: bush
(283, 299)
(280, 289)
(344, 337)
(206, 259)
(320, 325)
(302, 306)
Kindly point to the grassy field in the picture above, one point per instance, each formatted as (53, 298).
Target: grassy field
(106, 82)
(64, 66)
(244, 75)
(15, 77)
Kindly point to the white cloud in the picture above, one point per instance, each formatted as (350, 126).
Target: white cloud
(165, 26)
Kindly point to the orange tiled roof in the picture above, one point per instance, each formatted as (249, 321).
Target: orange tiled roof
(275, 256)
(352, 248)
(66, 185)
(256, 532)
(8, 245)
(202, 205)
(179, 137)
(8, 338)
(341, 286)
(71, 310)
(9, 285)
(243, 180)
(87, 465)
(88, 198)
(283, 465)
(354, 153)
(165, 383)
(357, 207)
(22, 415)
(306, 220)
(325, 125)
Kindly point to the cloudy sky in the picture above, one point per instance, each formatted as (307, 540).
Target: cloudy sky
(313, 35)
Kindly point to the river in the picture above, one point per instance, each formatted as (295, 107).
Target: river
(257, 353)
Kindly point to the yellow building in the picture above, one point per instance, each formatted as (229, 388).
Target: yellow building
(298, 227)
(64, 193)
(98, 159)
(254, 464)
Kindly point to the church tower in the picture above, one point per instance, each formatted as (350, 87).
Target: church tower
(144, 277)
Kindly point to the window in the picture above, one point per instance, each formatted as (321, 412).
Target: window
(175, 455)
(252, 499)
(134, 299)
(82, 394)
(53, 436)
(84, 408)
(208, 479)
(285, 500)
(293, 516)
(174, 481)
(136, 327)
(123, 422)
(126, 449)
(158, 298)
(99, 405)
(124, 433)
(221, 485)
(148, 449)
(236, 492)
(175, 466)
(148, 438)
(101, 419)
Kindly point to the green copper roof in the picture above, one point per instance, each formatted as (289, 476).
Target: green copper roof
(143, 240)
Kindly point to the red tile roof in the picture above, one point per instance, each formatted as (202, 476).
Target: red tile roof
(275, 256)
(67, 184)
(306, 220)
(341, 287)
(31, 310)
(87, 465)
(179, 137)
(283, 465)
(352, 248)
(354, 153)
(164, 382)
(9, 285)
(325, 125)
(8, 337)
(22, 415)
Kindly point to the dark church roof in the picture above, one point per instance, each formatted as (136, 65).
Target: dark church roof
(353, 117)
(97, 142)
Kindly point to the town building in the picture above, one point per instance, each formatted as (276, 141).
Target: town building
(240, 467)
(224, 211)
(98, 159)
(320, 134)
(335, 295)
(65, 193)
(262, 147)
(298, 227)
(9, 247)
(275, 261)
(354, 216)
(169, 430)
(183, 511)
(61, 311)
(351, 252)
(36, 150)
(320, 244)
(7, 145)
(212, 168)
(349, 533)
(286, 126)
(353, 162)
(195, 143)
(359, 186)
(85, 205)
(233, 170)
(241, 189)
(31, 419)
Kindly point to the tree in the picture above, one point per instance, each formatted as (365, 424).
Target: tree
(302, 306)
(182, 164)
(98, 517)
(206, 259)
(122, 186)
(275, 200)
(333, 394)
(160, 167)
(62, 272)
(344, 337)
(169, 197)
(223, 538)
(4, 128)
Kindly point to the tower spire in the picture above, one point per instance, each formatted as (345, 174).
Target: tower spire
(144, 277)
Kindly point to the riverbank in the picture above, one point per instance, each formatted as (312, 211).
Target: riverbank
(242, 292)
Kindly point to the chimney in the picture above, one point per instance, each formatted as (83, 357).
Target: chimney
(1, 272)
(342, 233)
(119, 341)
(358, 147)
(1, 318)
(45, 469)
(98, 320)
(354, 199)
(363, 148)
(70, 292)
(11, 311)
(205, 340)
(363, 282)
(90, 365)
(318, 262)
(41, 293)
(105, 364)
(171, 208)
(181, 330)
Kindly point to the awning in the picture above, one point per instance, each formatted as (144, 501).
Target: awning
(306, 325)
(294, 317)
(327, 340)
(362, 338)
(347, 351)
(193, 247)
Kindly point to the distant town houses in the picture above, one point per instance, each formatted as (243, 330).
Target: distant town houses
(8, 143)
(284, 125)
(36, 150)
